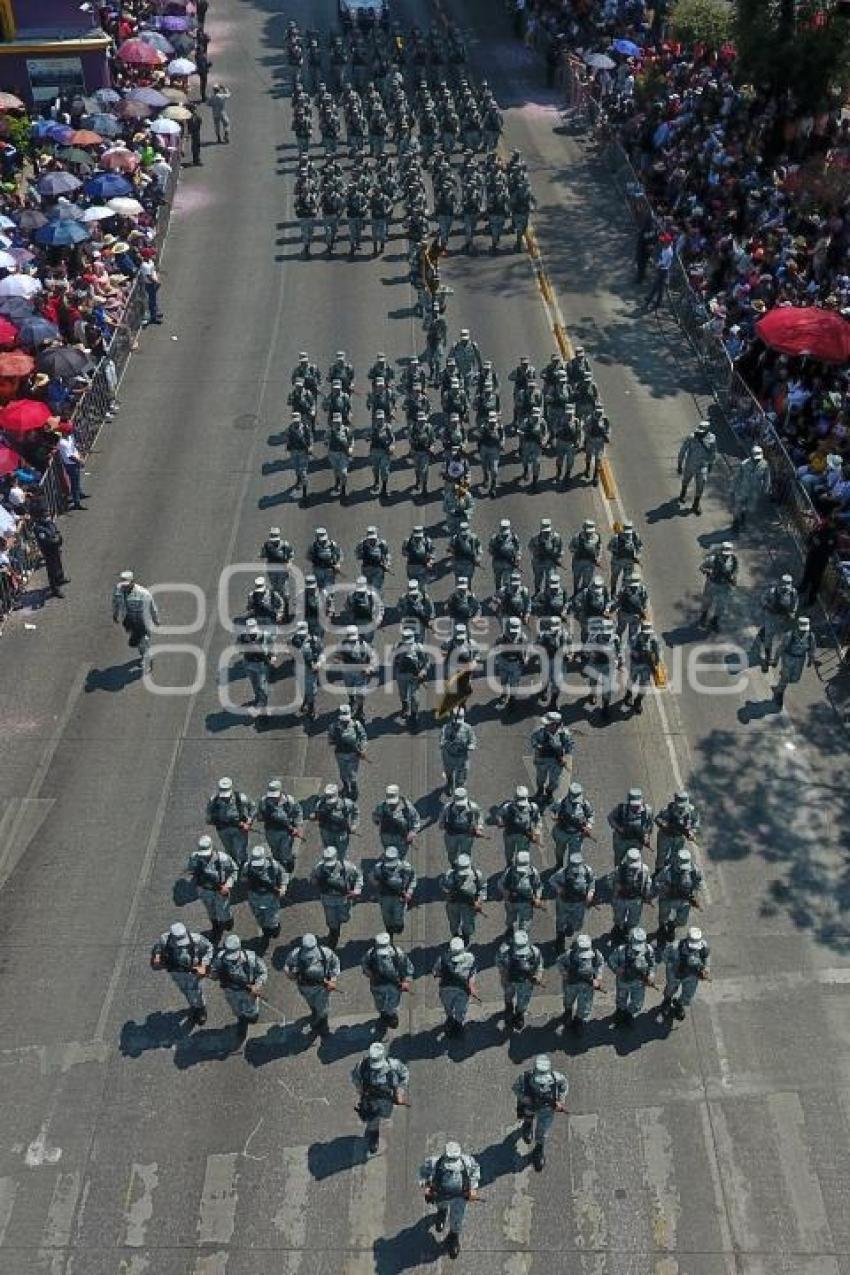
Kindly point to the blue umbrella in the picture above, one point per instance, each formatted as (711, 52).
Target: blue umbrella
(628, 47)
(105, 186)
(16, 309)
(63, 233)
(106, 125)
(108, 97)
(58, 183)
(41, 128)
(36, 331)
(151, 97)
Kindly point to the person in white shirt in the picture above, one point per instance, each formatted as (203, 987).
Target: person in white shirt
(72, 463)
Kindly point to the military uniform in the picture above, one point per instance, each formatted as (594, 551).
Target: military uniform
(381, 1083)
(455, 971)
(282, 820)
(796, 652)
(631, 823)
(460, 820)
(396, 819)
(134, 608)
(632, 888)
(450, 1180)
(418, 549)
(309, 649)
(213, 874)
(553, 746)
(751, 481)
(389, 971)
(687, 964)
(505, 554)
(491, 440)
(242, 974)
(720, 569)
(581, 972)
(779, 611)
(677, 824)
(457, 741)
(695, 462)
(540, 1092)
(347, 737)
(374, 556)
(520, 967)
(677, 886)
(337, 818)
(465, 889)
(573, 885)
(340, 883)
(520, 822)
(586, 550)
(314, 969)
(573, 822)
(633, 964)
(231, 814)
(186, 956)
(547, 552)
(521, 888)
(394, 878)
(411, 666)
(265, 881)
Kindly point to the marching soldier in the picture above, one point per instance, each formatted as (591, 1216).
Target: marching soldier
(751, 482)
(625, 548)
(687, 965)
(554, 640)
(574, 817)
(213, 874)
(450, 1181)
(373, 554)
(455, 972)
(574, 888)
(278, 553)
(309, 651)
(299, 444)
(266, 882)
(186, 956)
(631, 823)
(695, 462)
(394, 878)
(533, 436)
(340, 884)
(586, 550)
(337, 818)
(416, 608)
(553, 747)
(491, 442)
(411, 667)
(644, 662)
(325, 557)
(796, 653)
(461, 822)
(422, 440)
(678, 822)
(597, 436)
(581, 975)
(465, 889)
(315, 970)
(720, 568)
(632, 604)
(547, 552)
(511, 656)
(396, 819)
(514, 599)
(633, 964)
(256, 647)
(242, 975)
(340, 452)
(462, 606)
(505, 554)
(520, 966)
(521, 888)
(520, 821)
(231, 814)
(464, 551)
(632, 888)
(382, 1083)
(347, 737)
(457, 741)
(418, 550)
(678, 888)
(540, 1092)
(282, 820)
(265, 605)
(381, 447)
(390, 973)
(780, 603)
(134, 608)
(566, 431)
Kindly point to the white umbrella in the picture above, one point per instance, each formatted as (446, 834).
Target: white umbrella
(181, 66)
(19, 285)
(181, 113)
(600, 61)
(167, 128)
(98, 212)
(7, 261)
(125, 206)
(6, 223)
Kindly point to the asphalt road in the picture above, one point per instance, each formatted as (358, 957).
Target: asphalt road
(130, 1145)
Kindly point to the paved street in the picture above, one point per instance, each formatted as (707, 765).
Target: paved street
(131, 1146)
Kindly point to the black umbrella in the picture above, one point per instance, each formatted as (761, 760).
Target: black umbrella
(65, 361)
(31, 219)
(16, 310)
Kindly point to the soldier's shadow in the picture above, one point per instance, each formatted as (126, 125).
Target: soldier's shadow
(158, 1031)
(216, 1044)
(499, 1160)
(648, 1026)
(114, 678)
(414, 1246)
(324, 1159)
(344, 1041)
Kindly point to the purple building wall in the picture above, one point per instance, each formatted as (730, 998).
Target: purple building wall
(34, 73)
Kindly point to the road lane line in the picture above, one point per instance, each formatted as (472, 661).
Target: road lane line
(517, 1222)
(801, 1181)
(717, 1180)
(138, 1203)
(660, 1176)
(290, 1220)
(591, 1226)
(217, 1217)
(210, 1264)
(736, 1192)
(60, 1215)
(367, 1205)
(8, 1191)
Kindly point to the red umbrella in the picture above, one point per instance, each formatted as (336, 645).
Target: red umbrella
(130, 109)
(8, 334)
(9, 460)
(141, 54)
(822, 334)
(16, 363)
(23, 415)
(85, 137)
(120, 161)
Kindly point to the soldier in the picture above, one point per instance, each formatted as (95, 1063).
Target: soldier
(510, 657)
(299, 444)
(325, 557)
(381, 1083)
(396, 819)
(678, 823)
(514, 599)
(134, 608)
(632, 603)
(390, 972)
(347, 737)
(213, 874)
(337, 402)
(751, 482)
(602, 661)
(467, 356)
(632, 888)
(356, 207)
(282, 820)
(520, 821)
(309, 651)
(264, 604)
(720, 568)
(278, 553)
(574, 888)
(547, 552)
(337, 818)
(373, 554)
(357, 661)
(592, 604)
(505, 554)
(554, 640)
(522, 376)
(340, 452)
(687, 965)
(457, 741)
(578, 366)
(381, 447)
(265, 881)
(677, 887)
(540, 1092)
(521, 888)
(422, 439)
(418, 551)
(631, 823)
(242, 975)
(553, 746)
(340, 884)
(498, 208)
(315, 970)
(308, 373)
(450, 1181)
(491, 441)
(455, 972)
(256, 645)
(394, 877)
(302, 400)
(465, 889)
(461, 822)
(695, 462)
(780, 603)
(566, 433)
(625, 548)
(464, 551)
(633, 964)
(462, 606)
(231, 814)
(362, 607)
(597, 436)
(581, 975)
(522, 202)
(533, 436)
(574, 817)
(520, 966)
(411, 666)
(644, 663)
(381, 207)
(796, 653)
(186, 956)
(586, 550)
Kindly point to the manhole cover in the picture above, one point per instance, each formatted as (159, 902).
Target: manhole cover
(248, 421)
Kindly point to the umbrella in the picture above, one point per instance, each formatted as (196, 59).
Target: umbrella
(627, 47)
(166, 127)
(6, 223)
(31, 219)
(58, 183)
(150, 97)
(63, 361)
(73, 155)
(20, 285)
(174, 22)
(121, 160)
(85, 137)
(8, 102)
(63, 233)
(181, 113)
(63, 208)
(181, 66)
(7, 261)
(16, 363)
(183, 42)
(106, 125)
(8, 334)
(23, 415)
(132, 110)
(822, 334)
(126, 207)
(97, 212)
(108, 97)
(139, 53)
(22, 255)
(158, 40)
(105, 186)
(599, 61)
(175, 95)
(58, 132)
(36, 331)
(9, 460)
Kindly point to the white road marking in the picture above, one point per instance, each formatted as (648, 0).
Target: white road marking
(39, 1150)
(218, 1200)
(367, 1204)
(660, 1177)
(736, 1193)
(60, 1215)
(516, 1224)
(8, 1191)
(717, 1183)
(210, 1264)
(290, 1220)
(591, 1224)
(753, 987)
(810, 1218)
(138, 1203)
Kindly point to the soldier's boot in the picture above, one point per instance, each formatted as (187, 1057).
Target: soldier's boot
(539, 797)
(538, 1156)
(524, 472)
(627, 699)
(578, 1025)
(695, 508)
(510, 1017)
(519, 1021)
(452, 1244)
(778, 696)
(639, 703)
(262, 943)
(323, 1028)
(440, 1219)
(373, 1137)
(518, 244)
(560, 942)
(559, 470)
(617, 933)
(216, 931)
(621, 1016)
(553, 699)
(683, 494)
(384, 487)
(389, 1020)
(332, 939)
(198, 1015)
(304, 489)
(343, 489)
(703, 617)
(527, 1131)
(242, 1025)
(678, 1010)
(228, 924)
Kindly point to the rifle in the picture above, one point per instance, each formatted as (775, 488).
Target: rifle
(273, 1008)
(474, 996)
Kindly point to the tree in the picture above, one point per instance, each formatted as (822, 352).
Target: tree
(708, 22)
(794, 47)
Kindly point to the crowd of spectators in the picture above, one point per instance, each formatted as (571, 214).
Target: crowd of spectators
(82, 189)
